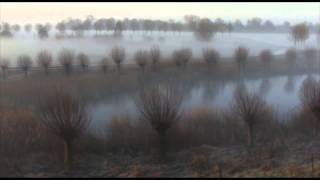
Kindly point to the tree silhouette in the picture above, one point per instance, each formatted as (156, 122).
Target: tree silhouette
(4, 64)
(66, 117)
(300, 33)
(118, 55)
(66, 58)
(45, 60)
(161, 107)
(25, 63)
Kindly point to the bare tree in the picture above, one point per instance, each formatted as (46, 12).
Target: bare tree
(118, 55)
(300, 33)
(4, 64)
(42, 32)
(61, 27)
(241, 56)
(211, 56)
(182, 56)
(291, 56)
(83, 61)
(141, 57)
(160, 106)
(27, 27)
(155, 56)
(266, 57)
(310, 98)
(66, 117)
(310, 56)
(205, 29)
(104, 63)
(66, 58)
(25, 63)
(45, 60)
(251, 109)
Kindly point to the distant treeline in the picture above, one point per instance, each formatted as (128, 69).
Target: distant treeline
(189, 24)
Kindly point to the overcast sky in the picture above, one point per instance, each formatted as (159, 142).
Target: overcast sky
(52, 12)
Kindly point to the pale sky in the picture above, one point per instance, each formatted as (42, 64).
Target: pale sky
(22, 13)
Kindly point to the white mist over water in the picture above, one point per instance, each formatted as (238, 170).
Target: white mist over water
(96, 48)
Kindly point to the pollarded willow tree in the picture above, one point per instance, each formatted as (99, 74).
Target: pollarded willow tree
(266, 58)
(251, 109)
(25, 63)
(66, 58)
(291, 56)
(155, 56)
(104, 64)
(241, 56)
(160, 106)
(205, 29)
(4, 65)
(141, 58)
(300, 33)
(210, 56)
(66, 117)
(42, 32)
(310, 99)
(83, 61)
(310, 55)
(182, 56)
(45, 60)
(118, 55)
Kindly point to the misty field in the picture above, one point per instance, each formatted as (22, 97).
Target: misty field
(96, 48)
(104, 97)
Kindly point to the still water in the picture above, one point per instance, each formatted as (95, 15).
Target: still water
(280, 91)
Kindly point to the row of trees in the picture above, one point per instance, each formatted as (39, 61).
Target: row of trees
(142, 58)
(203, 27)
(189, 24)
(67, 116)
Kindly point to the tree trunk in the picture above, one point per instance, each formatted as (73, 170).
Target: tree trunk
(46, 71)
(119, 68)
(163, 149)
(250, 136)
(4, 73)
(68, 156)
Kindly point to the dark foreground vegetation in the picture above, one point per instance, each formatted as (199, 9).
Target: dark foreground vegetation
(45, 120)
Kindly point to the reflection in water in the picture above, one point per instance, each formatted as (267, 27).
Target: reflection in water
(265, 87)
(240, 87)
(282, 92)
(211, 89)
(289, 86)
